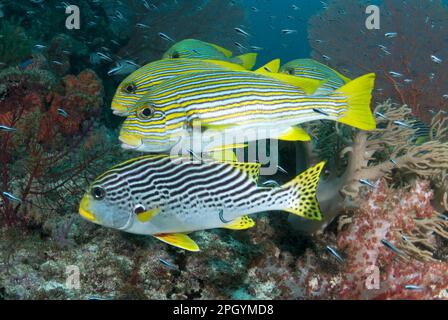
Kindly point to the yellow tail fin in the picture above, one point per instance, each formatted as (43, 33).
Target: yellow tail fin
(247, 60)
(303, 192)
(359, 95)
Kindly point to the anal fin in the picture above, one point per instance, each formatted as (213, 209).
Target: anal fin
(178, 240)
(240, 223)
(295, 134)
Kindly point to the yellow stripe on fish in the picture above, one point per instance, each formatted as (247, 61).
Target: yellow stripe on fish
(137, 84)
(226, 100)
(168, 197)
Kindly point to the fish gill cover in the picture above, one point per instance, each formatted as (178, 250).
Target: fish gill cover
(379, 227)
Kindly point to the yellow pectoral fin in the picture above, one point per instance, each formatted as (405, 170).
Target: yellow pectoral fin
(178, 240)
(273, 66)
(295, 134)
(240, 223)
(148, 215)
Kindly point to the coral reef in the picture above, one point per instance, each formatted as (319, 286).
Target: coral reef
(405, 59)
(371, 270)
(389, 152)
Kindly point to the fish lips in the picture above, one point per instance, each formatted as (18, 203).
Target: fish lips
(130, 142)
(85, 210)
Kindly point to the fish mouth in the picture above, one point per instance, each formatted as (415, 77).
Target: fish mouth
(120, 113)
(129, 141)
(84, 210)
(119, 110)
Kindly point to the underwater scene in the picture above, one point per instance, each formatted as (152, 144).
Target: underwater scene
(223, 150)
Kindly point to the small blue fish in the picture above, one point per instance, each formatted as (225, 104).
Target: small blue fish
(271, 184)
(168, 264)
(402, 124)
(413, 287)
(366, 182)
(436, 59)
(62, 112)
(391, 34)
(391, 246)
(165, 37)
(242, 32)
(335, 253)
(395, 74)
(282, 170)
(381, 115)
(6, 128)
(288, 31)
(11, 197)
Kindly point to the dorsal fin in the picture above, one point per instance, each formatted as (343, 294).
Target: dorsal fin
(224, 51)
(306, 84)
(252, 169)
(226, 64)
(270, 67)
(247, 60)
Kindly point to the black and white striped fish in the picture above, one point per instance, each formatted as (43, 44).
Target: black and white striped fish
(167, 197)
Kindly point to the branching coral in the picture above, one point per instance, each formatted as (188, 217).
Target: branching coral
(389, 152)
(371, 270)
(46, 160)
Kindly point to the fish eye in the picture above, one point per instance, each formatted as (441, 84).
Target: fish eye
(290, 71)
(130, 88)
(146, 113)
(139, 209)
(98, 193)
(175, 55)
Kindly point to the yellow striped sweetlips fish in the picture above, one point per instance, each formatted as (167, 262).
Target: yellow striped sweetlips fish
(138, 83)
(312, 69)
(197, 49)
(226, 101)
(167, 197)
